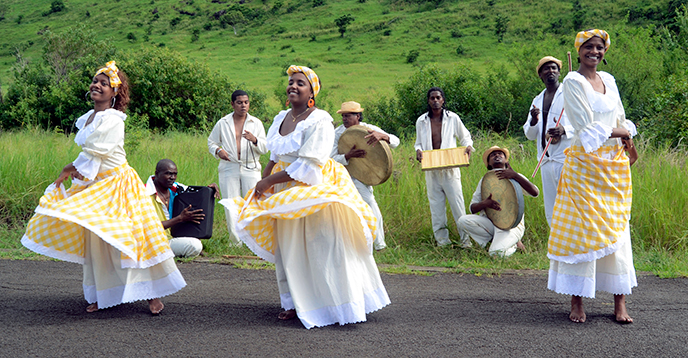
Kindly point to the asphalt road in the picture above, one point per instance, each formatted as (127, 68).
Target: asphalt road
(225, 311)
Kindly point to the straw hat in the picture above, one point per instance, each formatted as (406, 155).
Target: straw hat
(546, 59)
(494, 149)
(350, 107)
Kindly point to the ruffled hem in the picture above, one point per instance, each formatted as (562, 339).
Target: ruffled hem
(50, 252)
(126, 263)
(587, 286)
(87, 167)
(133, 292)
(266, 255)
(594, 135)
(302, 170)
(281, 145)
(588, 256)
(353, 312)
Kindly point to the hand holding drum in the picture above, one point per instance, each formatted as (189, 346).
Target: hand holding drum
(374, 167)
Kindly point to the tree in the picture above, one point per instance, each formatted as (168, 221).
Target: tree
(342, 22)
(500, 27)
(233, 18)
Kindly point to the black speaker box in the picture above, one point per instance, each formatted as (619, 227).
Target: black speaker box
(199, 197)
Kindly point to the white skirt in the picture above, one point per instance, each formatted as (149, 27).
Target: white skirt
(323, 272)
(108, 284)
(613, 273)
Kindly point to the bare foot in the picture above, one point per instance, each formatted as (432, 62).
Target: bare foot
(92, 307)
(577, 312)
(620, 309)
(520, 246)
(287, 315)
(155, 305)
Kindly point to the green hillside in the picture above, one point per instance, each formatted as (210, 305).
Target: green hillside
(376, 51)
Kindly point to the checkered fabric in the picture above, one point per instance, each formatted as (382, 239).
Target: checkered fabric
(310, 74)
(113, 206)
(110, 70)
(584, 36)
(593, 205)
(297, 200)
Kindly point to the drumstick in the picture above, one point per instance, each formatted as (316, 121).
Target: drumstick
(544, 152)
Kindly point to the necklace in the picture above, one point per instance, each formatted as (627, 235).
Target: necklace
(300, 114)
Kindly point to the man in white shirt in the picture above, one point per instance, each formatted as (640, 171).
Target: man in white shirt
(238, 140)
(549, 105)
(352, 114)
(440, 129)
(478, 226)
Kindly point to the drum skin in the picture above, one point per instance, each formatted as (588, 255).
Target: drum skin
(373, 169)
(509, 195)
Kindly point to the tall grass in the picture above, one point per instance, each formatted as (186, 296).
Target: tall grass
(659, 223)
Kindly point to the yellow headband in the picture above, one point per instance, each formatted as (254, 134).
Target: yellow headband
(584, 36)
(310, 75)
(110, 70)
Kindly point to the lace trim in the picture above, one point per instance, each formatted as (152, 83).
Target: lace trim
(83, 133)
(587, 286)
(132, 292)
(594, 135)
(305, 172)
(353, 312)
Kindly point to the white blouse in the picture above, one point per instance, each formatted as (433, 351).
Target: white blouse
(307, 148)
(594, 114)
(101, 142)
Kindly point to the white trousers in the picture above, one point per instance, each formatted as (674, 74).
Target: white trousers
(186, 246)
(236, 180)
(550, 172)
(366, 192)
(481, 229)
(444, 185)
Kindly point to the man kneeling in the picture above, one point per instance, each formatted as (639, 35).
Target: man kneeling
(162, 188)
(479, 226)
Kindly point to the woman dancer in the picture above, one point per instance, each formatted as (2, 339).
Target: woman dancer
(104, 220)
(306, 216)
(590, 243)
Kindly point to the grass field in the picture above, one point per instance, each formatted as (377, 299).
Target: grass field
(364, 64)
(32, 159)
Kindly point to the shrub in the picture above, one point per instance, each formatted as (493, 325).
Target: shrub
(412, 56)
(317, 3)
(342, 22)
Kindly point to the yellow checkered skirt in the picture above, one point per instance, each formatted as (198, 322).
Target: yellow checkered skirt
(113, 206)
(593, 205)
(255, 218)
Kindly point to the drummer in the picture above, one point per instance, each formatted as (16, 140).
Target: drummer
(478, 225)
(440, 128)
(352, 114)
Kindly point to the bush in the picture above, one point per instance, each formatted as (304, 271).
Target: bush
(412, 56)
(168, 91)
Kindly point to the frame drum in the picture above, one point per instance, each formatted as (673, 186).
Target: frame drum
(373, 169)
(509, 195)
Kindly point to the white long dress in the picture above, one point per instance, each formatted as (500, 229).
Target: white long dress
(316, 229)
(106, 222)
(590, 241)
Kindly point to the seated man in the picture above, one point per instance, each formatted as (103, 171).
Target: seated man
(162, 188)
(479, 226)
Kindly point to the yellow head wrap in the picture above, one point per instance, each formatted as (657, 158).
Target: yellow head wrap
(584, 36)
(110, 70)
(310, 74)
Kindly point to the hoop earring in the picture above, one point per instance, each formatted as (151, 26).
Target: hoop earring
(311, 103)
(114, 99)
(88, 95)
(604, 60)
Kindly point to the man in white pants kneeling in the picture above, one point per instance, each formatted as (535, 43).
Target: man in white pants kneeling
(478, 226)
(162, 188)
